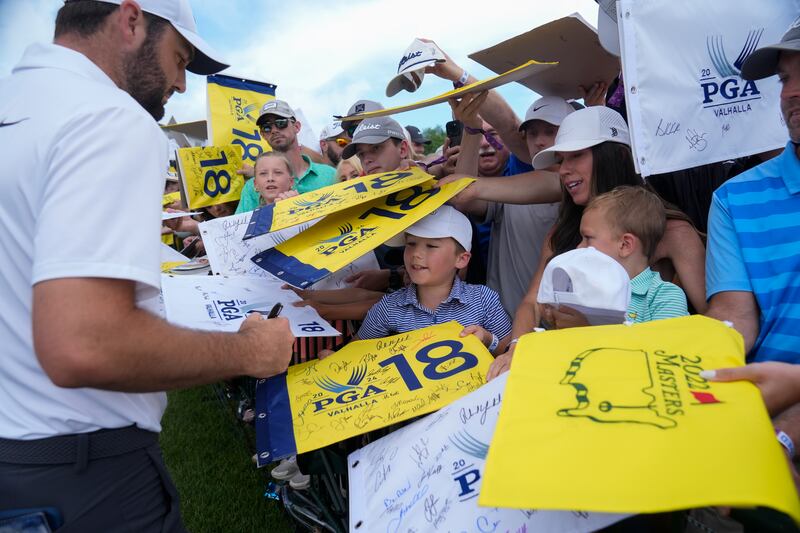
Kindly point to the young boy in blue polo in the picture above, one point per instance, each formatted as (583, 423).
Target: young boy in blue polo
(436, 248)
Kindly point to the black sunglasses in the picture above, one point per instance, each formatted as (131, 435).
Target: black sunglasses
(280, 123)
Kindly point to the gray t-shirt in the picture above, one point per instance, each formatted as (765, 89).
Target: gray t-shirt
(518, 232)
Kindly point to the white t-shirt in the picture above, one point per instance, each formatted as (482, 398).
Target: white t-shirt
(83, 168)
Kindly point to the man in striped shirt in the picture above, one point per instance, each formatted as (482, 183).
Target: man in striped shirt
(753, 259)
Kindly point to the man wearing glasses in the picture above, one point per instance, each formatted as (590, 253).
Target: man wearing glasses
(332, 141)
(280, 128)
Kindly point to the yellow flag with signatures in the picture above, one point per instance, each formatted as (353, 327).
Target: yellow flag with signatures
(333, 242)
(366, 385)
(330, 199)
(617, 419)
(208, 175)
(170, 198)
(233, 108)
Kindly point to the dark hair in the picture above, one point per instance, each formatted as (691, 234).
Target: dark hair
(612, 166)
(84, 17)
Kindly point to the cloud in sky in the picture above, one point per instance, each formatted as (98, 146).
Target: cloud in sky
(325, 55)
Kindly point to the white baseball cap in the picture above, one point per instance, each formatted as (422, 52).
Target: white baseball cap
(334, 129)
(446, 221)
(411, 68)
(179, 14)
(587, 278)
(607, 28)
(550, 109)
(583, 129)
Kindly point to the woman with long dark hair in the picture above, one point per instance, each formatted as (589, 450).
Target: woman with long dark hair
(595, 157)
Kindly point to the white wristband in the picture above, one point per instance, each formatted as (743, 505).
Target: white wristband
(494, 343)
(787, 442)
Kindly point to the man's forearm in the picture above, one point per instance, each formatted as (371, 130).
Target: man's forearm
(109, 343)
(147, 354)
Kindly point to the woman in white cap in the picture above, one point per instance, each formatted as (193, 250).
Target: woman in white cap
(593, 148)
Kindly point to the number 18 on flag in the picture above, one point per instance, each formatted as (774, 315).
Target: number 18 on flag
(208, 175)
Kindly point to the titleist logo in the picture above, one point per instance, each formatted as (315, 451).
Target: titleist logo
(408, 57)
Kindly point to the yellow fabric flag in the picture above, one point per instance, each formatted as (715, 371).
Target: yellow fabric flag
(617, 419)
(208, 175)
(233, 108)
(330, 199)
(333, 242)
(170, 198)
(367, 385)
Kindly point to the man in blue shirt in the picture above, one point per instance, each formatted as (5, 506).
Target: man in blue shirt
(753, 259)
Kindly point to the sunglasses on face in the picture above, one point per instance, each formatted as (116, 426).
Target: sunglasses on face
(341, 142)
(279, 123)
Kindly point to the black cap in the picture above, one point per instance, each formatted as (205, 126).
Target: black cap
(416, 135)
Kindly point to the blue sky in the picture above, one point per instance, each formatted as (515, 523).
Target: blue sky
(325, 55)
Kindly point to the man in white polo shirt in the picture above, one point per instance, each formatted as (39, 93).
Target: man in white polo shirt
(82, 365)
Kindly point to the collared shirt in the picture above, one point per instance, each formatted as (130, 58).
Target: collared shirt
(316, 177)
(75, 133)
(754, 246)
(652, 298)
(468, 304)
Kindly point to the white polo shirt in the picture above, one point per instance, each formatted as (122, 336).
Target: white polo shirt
(83, 168)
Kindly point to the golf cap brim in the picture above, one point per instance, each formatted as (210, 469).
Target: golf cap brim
(409, 80)
(547, 157)
(763, 63)
(607, 29)
(350, 150)
(204, 62)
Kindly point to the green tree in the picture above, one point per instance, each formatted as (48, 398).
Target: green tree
(436, 135)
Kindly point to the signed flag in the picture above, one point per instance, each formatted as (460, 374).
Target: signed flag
(333, 242)
(618, 419)
(687, 102)
(330, 199)
(233, 108)
(427, 477)
(208, 175)
(366, 385)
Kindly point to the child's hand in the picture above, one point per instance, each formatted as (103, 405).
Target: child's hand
(501, 364)
(246, 170)
(285, 195)
(484, 336)
(563, 317)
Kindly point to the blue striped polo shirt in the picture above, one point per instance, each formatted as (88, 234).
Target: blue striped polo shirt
(754, 245)
(468, 304)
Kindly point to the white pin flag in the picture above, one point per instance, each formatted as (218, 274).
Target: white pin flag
(681, 61)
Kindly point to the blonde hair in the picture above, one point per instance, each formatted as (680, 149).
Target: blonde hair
(354, 161)
(278, 155)
(634, 210)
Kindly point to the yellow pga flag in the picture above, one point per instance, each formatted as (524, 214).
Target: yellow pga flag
(617, 419)
(330, 199)
(365, 386)
(170, 198)
(233, 108)
(208, 175)
(333, 242)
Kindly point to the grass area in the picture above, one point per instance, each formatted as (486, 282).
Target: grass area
(210, 461)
